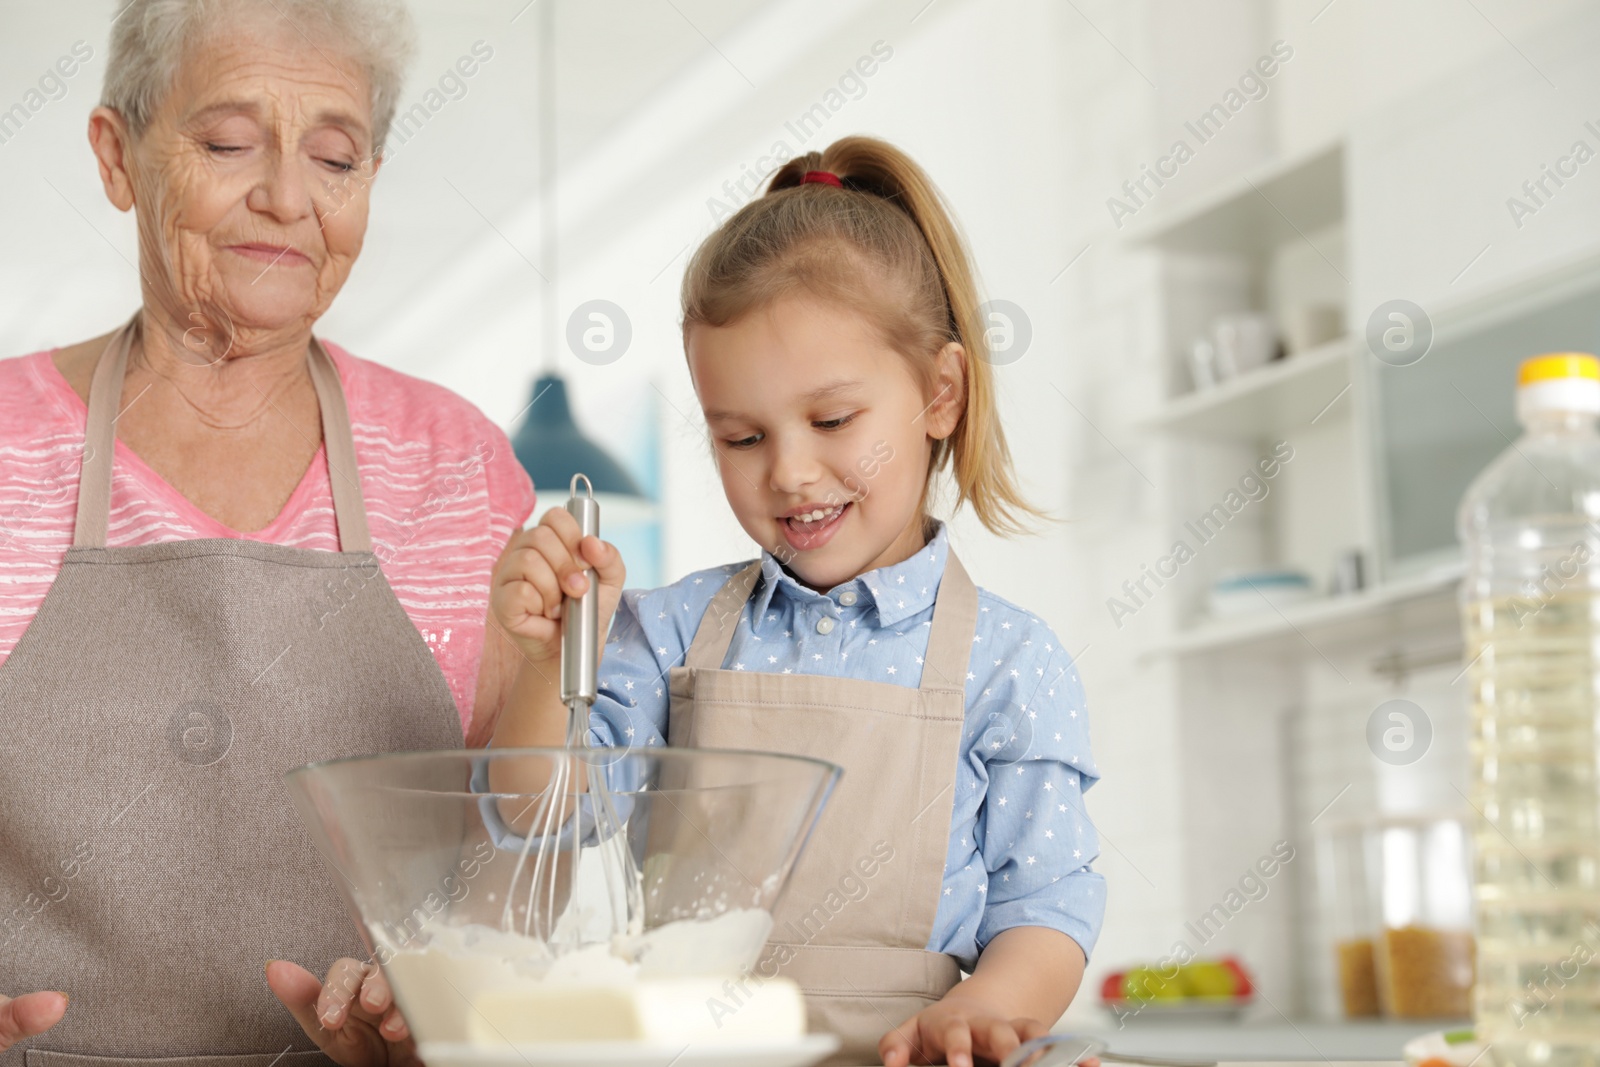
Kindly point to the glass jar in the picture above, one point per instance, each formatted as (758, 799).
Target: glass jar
(1397, 893)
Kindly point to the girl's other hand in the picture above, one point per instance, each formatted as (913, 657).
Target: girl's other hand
(351, 1016)
(542, 566)
(958, 1032)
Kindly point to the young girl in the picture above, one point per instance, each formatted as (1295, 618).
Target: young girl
(835, 344)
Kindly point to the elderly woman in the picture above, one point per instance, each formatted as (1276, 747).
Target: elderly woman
(228, 549)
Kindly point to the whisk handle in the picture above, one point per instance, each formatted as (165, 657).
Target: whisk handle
(580, 615)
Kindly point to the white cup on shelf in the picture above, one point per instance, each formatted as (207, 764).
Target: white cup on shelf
(1245, 340)
(1203, 364)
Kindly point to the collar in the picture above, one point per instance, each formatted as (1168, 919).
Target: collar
(898, 591)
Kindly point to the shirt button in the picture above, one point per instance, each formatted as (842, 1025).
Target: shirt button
(848, 597)
(824, 625)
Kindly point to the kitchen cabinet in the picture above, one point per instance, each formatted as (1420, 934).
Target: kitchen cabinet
(1438, 422)
(1409, 204)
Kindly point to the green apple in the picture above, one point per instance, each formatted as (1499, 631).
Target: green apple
(1207, 978)
(1146, 983)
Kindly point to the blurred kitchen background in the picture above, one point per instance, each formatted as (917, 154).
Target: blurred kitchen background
(1202, 224)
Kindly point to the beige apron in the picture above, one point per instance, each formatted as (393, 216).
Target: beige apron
(150, 860)
(863, 963)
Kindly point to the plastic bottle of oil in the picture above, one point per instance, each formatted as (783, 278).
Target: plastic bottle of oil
(1530, 526)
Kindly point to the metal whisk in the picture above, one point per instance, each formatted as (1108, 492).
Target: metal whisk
(555, 875)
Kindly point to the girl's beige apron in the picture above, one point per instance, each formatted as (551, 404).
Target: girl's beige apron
(863, 963)
(150, 860)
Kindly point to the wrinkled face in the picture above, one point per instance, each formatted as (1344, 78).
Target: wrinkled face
(252, 180)
(811, 412)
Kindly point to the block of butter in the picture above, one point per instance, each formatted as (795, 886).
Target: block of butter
(662, 1009)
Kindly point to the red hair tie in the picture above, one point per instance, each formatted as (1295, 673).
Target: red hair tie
(822, 176)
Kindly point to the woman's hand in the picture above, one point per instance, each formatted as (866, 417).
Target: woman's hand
(351, 1016)
(538, 569)
(958, 1031)
(25, 1016)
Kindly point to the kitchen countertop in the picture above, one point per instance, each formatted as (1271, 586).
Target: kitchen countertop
(1274, 1042)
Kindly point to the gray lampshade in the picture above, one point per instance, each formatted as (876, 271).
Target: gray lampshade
(551, 447)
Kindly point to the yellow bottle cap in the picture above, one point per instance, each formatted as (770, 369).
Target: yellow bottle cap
(1557, 365)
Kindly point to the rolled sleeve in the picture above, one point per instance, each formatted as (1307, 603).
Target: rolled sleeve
(1045, 877)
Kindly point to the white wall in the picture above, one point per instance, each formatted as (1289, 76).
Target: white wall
(1356, 57)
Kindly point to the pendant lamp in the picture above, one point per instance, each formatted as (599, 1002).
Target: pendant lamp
(549, 444)
(551, 447)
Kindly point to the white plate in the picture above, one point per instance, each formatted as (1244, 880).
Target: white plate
(802, 1052)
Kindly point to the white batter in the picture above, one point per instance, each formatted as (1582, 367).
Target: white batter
(675, 982)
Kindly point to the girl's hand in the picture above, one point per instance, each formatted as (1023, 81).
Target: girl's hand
(538, 569)
(351, 1017)
(958, 1031)
(26, 1016)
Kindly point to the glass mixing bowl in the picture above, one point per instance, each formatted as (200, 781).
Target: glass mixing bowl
(430, 867)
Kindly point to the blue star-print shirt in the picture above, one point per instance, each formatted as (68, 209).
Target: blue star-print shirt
(1021, 842)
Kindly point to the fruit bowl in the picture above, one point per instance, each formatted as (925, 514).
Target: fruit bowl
(1199, 991)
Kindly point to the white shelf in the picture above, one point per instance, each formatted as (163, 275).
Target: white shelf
(1288, 393)
(1398, 607)
(1257, 211)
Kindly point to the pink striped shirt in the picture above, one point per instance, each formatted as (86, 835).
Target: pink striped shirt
(442, 488)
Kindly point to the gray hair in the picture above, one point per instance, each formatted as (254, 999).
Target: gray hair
(148, 39)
